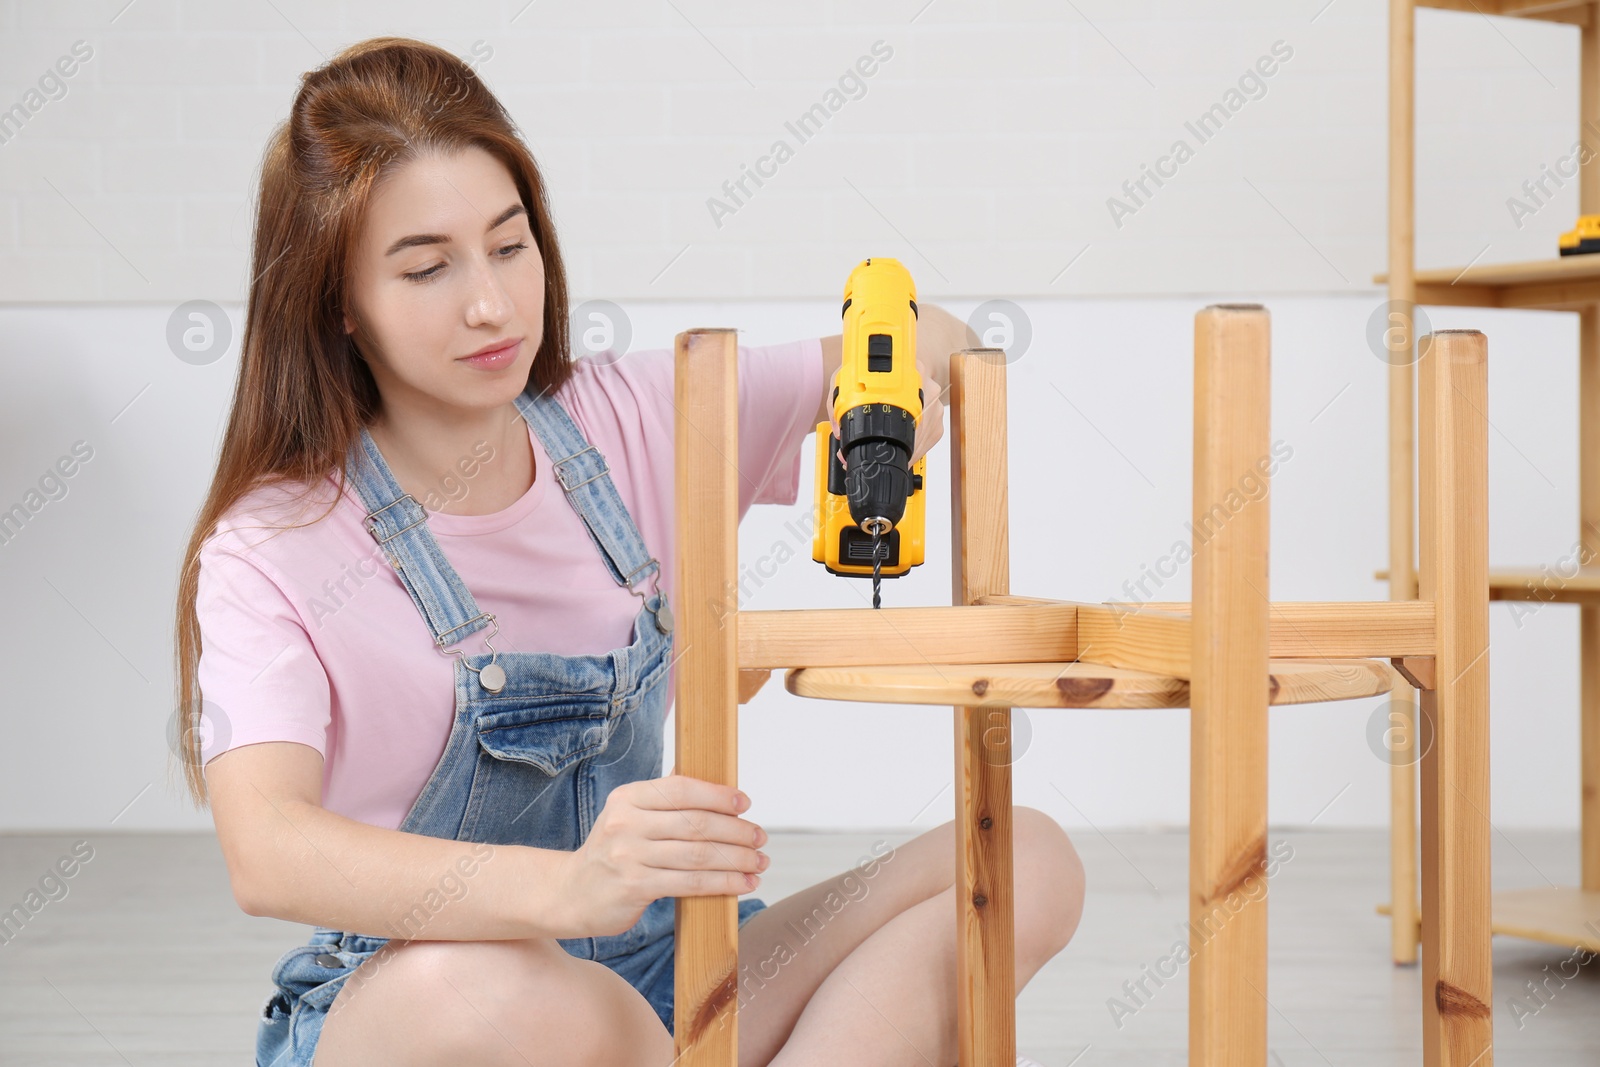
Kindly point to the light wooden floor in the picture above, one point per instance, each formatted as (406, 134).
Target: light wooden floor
(146, 960)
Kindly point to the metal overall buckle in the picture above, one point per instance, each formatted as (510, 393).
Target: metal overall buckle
(491, 675)
(663, 614)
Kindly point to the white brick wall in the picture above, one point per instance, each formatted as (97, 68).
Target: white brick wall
(982, 153)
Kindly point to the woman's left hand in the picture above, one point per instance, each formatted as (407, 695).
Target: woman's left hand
(930, 427)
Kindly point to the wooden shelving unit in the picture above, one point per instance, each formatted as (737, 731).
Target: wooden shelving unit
(1561, 915)
(1566, 283)
(1573, 11)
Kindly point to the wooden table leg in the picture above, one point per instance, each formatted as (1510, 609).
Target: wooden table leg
(986, 1018)
(1228, 690)
(1402, 337)
(1589, 545)
(706, 454)
(1457, 1024)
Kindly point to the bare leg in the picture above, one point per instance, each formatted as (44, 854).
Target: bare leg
(489, 1003)
(891, 1001)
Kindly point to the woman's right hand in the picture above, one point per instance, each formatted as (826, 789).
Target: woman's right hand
(673, 836)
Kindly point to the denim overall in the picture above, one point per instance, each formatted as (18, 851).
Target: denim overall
(529, 760)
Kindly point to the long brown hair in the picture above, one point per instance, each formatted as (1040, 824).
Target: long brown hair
(303, 391)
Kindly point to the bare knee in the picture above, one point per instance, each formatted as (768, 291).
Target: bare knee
(1046, 872)
(1049, 878)
(490, 1003)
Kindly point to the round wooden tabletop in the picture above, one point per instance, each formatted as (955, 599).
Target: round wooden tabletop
(1074, 685)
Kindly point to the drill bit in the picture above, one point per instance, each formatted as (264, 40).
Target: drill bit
(877, 563)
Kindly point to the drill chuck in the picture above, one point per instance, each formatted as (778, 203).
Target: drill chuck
(877, 440)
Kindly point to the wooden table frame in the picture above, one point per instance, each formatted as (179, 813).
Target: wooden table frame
(1219, 649)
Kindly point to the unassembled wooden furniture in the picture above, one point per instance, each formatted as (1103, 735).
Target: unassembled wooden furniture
(1227, 655)
(1561, 915)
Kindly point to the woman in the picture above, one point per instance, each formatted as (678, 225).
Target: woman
(481, 835)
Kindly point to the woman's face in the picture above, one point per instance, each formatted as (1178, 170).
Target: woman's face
(446, 266)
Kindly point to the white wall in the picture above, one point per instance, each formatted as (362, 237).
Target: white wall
(982, 154)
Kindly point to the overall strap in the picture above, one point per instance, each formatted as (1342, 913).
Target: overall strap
(581, 471)
(398, 523)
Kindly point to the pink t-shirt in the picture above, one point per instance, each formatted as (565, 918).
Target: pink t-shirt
(308, 635)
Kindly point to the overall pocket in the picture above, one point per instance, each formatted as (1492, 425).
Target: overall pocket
(549, 738)
(526, 787)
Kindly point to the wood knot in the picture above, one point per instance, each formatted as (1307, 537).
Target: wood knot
(979, 901)
(1247, 867)
(1452, 1000)
(1079, 692)
(720, 1000)
(985, 822)
(981, 686)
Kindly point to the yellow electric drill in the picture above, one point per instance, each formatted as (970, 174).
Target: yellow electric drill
(870, 510)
